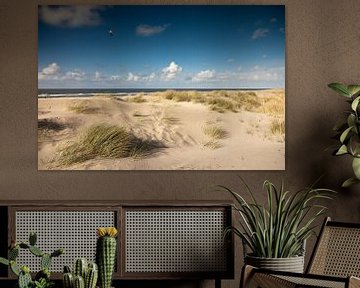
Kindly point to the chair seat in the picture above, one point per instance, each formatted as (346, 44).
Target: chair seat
(315, 282)
(268, 279)
(335, 262)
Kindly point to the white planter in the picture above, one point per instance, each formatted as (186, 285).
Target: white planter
(291, 264)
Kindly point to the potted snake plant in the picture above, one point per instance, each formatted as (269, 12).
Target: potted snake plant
(348, 132)
(274, 234)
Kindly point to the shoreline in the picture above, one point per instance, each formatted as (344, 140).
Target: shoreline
(134, 92)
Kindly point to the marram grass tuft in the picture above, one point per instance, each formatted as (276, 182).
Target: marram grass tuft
(104, 141)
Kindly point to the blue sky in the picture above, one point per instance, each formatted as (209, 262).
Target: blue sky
(158, 46)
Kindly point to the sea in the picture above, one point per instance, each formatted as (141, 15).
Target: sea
(79, 92)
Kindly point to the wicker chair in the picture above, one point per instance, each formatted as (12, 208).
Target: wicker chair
(334, 263)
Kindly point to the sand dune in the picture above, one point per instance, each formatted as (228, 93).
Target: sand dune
(190, 135)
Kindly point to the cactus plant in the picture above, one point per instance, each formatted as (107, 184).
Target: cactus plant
(80, 267)
(79, 282)
(24, 280)
(42, 278)
(106, 254)
(91, 276)
(84, 274)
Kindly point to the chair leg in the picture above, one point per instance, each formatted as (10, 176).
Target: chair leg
(354, 282)
(246, 274)
(217, 283)
(250, 278)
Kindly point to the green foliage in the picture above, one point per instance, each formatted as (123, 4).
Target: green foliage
(279, 229)
(43, 283)
(42, 278)
(348, 132)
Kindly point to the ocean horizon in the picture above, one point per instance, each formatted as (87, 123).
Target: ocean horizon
(88, 92)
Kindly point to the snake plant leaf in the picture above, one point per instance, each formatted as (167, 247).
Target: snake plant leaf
(355, 103)
(353, 89)
(349, 182)
(356, 167)
(342, 150)
(340, 88)
(345, 134)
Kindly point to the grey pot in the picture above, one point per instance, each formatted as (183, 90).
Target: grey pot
(291, 264)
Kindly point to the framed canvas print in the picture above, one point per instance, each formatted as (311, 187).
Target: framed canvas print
(161, 87)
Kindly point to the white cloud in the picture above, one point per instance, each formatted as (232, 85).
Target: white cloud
(171, 71)
(70, 16)
(115, 77)
(76, 75)
(230, 60)
(141, 78)
(98, 76)
(149, 78)
(133, 77)
(52, 71)
(259, 33)
(147, 30)
(204, 75)
(261, 74)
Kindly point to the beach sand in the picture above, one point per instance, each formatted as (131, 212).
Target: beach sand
(182, 130)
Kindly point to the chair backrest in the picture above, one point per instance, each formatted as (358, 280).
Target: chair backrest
(337, 251)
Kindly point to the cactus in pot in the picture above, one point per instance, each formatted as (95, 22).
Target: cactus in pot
(42, 278)
(106, 254)
(85, 275)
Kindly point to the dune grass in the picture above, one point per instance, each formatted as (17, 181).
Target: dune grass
(277, 127)
(273, 106)
(220, 101)
(104, 141)
(82, 108)
(136, 99)
(215, 132)
(212, 144)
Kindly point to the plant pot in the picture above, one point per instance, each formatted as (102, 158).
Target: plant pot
(291, 264)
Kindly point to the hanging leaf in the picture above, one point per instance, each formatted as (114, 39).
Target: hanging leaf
(342, 150)
(4, 261)
(351, 120)
(355, 103)
(345, 134)
(349, 182)
(354, 146)
(353, 89)
(356, 167)
(340, 88)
